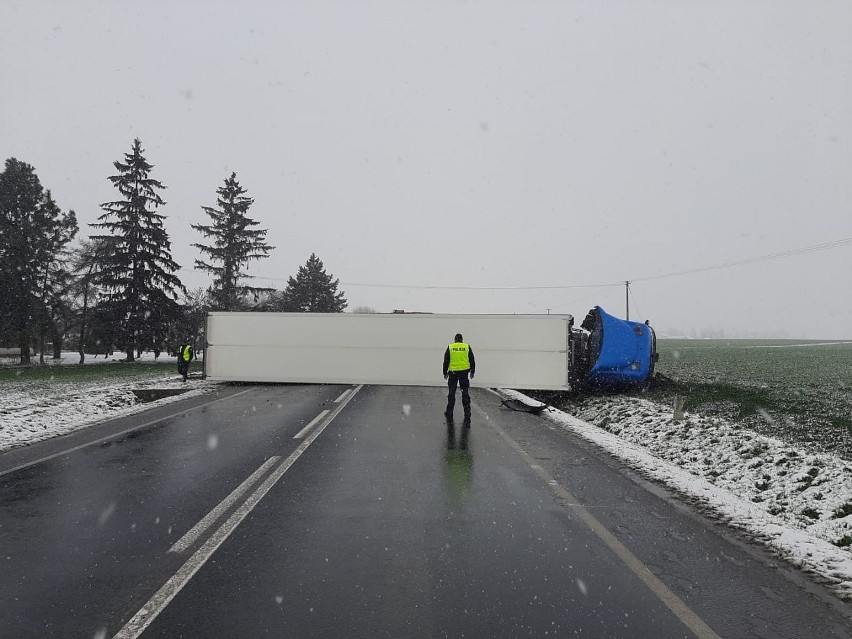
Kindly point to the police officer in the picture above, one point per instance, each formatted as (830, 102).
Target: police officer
(458, 364)
(185, 355)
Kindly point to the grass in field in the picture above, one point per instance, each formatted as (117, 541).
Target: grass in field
(88, 372)
(732, 401)
(799, 391)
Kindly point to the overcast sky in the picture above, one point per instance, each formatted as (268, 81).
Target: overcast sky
(472, 144)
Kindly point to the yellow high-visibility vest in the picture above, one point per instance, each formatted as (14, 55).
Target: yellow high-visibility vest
(459, 356)
(187, 353)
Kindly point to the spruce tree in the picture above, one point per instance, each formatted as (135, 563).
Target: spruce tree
(138, 275)
(33, 235)
(313, 290)
(86, 262)
(55, 276)
(234, 244)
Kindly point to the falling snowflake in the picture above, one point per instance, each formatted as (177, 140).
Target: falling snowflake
(106, 513)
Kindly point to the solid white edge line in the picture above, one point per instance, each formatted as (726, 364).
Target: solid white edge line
(151, 610)
(114, 435)
(316, 419)
(342, 395)
(195, 532)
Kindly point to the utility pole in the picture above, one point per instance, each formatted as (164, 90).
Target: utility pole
(627, 298)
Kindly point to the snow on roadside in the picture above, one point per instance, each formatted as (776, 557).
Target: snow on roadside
(33, 411)
(797, 503)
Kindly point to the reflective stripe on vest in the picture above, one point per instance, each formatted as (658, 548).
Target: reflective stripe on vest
(459, 358)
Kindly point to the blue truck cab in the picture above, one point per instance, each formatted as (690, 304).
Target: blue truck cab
(612, 352)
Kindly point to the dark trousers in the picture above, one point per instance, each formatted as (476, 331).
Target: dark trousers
(183, 367)
(458, 378)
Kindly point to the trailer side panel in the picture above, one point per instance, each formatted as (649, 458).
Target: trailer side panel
(518, 351)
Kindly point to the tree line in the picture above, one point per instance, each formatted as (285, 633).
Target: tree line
(118, 289)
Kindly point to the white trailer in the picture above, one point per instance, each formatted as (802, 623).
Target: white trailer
(514, 351)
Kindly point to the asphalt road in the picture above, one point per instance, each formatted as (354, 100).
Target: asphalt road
(330, 511)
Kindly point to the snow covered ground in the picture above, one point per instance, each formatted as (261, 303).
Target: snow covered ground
(31, 411)
(796, 502)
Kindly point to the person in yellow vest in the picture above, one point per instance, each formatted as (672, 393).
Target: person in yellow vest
(185, 355)
(459, 368)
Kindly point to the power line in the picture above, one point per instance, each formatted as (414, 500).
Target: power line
(437, 287)
(635, 305)
(751, 260)
(480, 288)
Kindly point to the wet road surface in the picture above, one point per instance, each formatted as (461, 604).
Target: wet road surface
(362, 513)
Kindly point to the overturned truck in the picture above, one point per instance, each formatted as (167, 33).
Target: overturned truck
(544, 352)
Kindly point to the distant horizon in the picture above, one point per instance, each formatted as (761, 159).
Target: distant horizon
(811, 341)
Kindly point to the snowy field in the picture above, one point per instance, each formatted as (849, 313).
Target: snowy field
(795, 501)
(793, 390)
